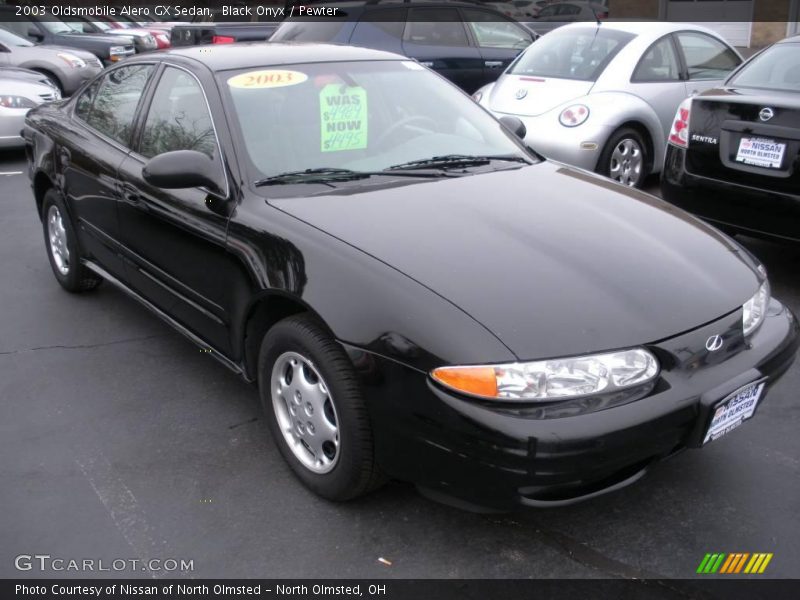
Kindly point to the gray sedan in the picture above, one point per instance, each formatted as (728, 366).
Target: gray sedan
(67, 68)
(603, 97)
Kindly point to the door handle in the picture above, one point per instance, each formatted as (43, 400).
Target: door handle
(694, 93)
(494, 64)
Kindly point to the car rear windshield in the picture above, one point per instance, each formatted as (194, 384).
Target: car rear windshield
(301, 30)
(580, 53)
(777, 68)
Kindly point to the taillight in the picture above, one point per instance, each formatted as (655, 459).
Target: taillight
(679, 134)
(222, 39)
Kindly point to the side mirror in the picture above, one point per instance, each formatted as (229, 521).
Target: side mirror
(35, 34)
(515, 126)
(183, 169)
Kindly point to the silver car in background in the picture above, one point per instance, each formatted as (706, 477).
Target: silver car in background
(603, 97)
(67, 68)
(20, 91)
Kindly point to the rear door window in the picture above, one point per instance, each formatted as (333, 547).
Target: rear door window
(113, 108)
(490, 31)
(435, 27)
(659, 63)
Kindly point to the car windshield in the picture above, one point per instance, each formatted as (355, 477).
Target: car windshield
(774, 69)
(361, 116)
(57, 26)
(10, 39)
(580, 53)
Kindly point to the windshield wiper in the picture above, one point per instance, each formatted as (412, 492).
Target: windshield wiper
(326, 174)
(454, 160)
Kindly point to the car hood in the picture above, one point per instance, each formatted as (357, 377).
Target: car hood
(553, 260)
(21, 74)
(531, 96)
(111, 40)
(51, 51)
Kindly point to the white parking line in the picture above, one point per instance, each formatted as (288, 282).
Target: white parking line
(10, 173)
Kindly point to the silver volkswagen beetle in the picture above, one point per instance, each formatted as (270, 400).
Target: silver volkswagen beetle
(603, 96)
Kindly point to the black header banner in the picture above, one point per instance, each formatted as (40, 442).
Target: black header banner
(194, 11)
(399, 589)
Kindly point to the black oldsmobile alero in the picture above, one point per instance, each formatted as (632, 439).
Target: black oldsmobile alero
(417, 294)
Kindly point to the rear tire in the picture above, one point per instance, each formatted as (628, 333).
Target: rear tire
(625, 158)
(316, 411)
(62, 246)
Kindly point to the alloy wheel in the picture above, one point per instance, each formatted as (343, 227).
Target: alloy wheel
(306, 412)
(627, 161)
(58, 240)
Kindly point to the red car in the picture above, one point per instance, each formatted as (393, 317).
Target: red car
(162, 36)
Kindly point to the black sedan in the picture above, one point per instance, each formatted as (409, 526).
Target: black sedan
(734, 152)
(417, 295)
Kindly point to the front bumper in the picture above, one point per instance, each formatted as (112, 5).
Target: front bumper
(749, 210)
(483, 455)
(74, 78)
(580, 146)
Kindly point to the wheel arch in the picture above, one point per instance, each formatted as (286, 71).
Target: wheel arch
(647, 136)
(41, 184)
(265, 310)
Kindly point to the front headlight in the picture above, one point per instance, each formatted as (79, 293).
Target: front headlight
(150, 42)
(553, 379)
(755, 309)
(16, 102)
(73, 61)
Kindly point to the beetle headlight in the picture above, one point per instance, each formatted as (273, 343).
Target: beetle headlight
(553, 379)
(755, 309)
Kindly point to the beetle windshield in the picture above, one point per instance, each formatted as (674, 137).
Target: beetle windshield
(360, 116)
(572, 53)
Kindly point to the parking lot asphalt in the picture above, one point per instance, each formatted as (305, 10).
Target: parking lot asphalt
(121, 440)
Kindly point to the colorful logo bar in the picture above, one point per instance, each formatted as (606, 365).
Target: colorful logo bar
(737, 562)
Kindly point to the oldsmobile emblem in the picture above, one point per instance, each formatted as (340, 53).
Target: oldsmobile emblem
(521, 93)
(766, 114)
(714, 343)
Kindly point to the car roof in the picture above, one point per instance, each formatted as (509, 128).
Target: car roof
(643, 28)
(789, 40)
(221, 57)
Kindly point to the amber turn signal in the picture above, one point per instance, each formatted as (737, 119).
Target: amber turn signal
(478, 381)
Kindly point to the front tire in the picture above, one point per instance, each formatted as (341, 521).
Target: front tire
(62, 247)
(624, 158)
(315, 409)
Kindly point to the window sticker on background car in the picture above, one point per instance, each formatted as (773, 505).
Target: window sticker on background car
(343, 118)
(267, 79)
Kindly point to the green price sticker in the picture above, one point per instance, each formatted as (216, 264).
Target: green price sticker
(343, 118)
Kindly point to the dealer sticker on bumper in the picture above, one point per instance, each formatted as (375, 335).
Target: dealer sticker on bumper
(734, 410)
(760, 152)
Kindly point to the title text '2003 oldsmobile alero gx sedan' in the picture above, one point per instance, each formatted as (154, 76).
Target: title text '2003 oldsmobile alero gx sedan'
(417, 295)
